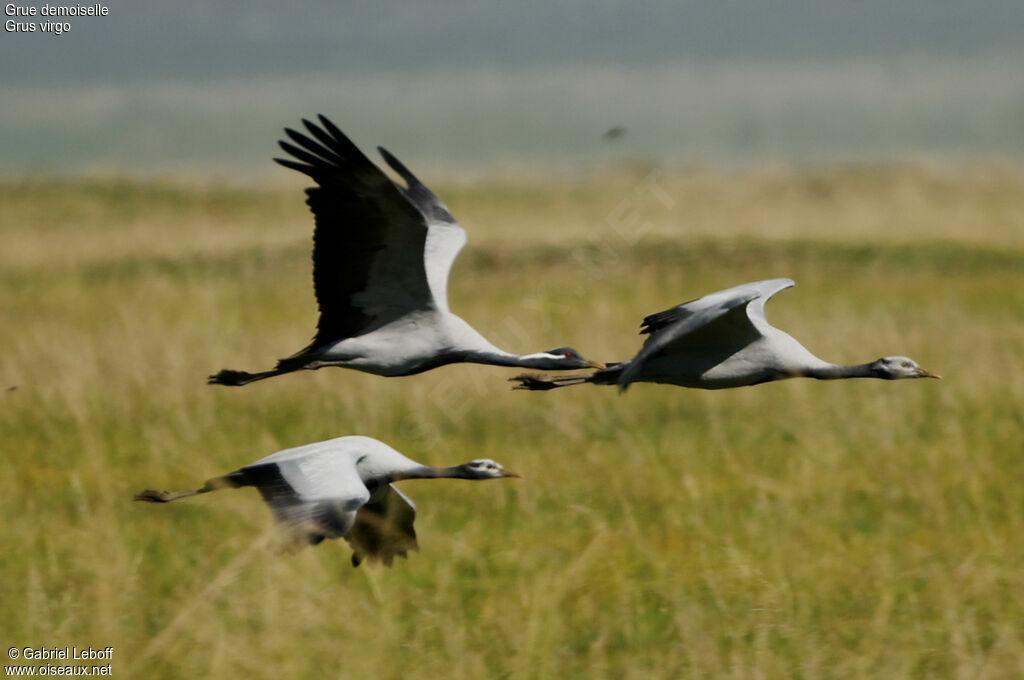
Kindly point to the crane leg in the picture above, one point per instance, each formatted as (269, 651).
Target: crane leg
(233, 480)
(539, 381)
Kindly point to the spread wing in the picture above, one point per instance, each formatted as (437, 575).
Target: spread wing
(445, 236)
(315, 496)
(383, 528)
(380, 250)
(732, 306)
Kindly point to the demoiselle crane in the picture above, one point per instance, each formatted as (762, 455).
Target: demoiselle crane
(381, 257)
(723, 340)
(341, 487)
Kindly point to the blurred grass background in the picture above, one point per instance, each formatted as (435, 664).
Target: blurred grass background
(794, 530)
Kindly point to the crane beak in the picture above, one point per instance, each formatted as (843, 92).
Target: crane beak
(921, 373)
(594, 364)
(506, 473)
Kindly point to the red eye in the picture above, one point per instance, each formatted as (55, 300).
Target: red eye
(568, 355)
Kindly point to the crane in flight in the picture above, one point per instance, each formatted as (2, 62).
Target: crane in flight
(381, 257)
(723, 340)
(341, 487)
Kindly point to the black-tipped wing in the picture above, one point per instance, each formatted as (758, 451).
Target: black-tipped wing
(371, 235)
(656, 322)
(677, 324)
(445, 237)
(383, 528)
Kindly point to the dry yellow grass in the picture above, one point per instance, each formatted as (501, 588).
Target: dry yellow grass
(801, 529)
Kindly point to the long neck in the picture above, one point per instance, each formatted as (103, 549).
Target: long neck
(473, 347)
(497, 357)
(427, 472)
(828, 371)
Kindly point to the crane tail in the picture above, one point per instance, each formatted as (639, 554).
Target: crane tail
(540, 381)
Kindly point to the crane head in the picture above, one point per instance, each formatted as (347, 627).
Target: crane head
(896, 368)
(566, 358)
(485, 468)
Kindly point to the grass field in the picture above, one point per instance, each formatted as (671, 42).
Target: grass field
(803, 529)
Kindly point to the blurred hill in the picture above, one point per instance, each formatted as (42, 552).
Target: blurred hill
(196, 84)
(146, 38)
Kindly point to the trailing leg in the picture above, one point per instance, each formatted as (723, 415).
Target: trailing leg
(540, 381)
(232, 480)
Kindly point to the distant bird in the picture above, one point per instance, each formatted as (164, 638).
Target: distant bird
(381, 257)
(338, 488)
(613, 133)
(723, 340)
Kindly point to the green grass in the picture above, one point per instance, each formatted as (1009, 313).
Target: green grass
(861, 529)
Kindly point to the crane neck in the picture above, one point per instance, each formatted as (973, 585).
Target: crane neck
(427, 472)
(497, 357)
(836, 372)
(493, 356)
(474, 348)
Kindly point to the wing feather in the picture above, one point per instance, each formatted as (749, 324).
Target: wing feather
(370, 235)
(675, 324)
(315, 496)
(445, 237)
(383, 528)
(316, 164)
(313, 147)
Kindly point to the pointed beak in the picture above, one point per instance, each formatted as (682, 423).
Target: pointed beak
(506, 473)
(594, 364)
(921, 373)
